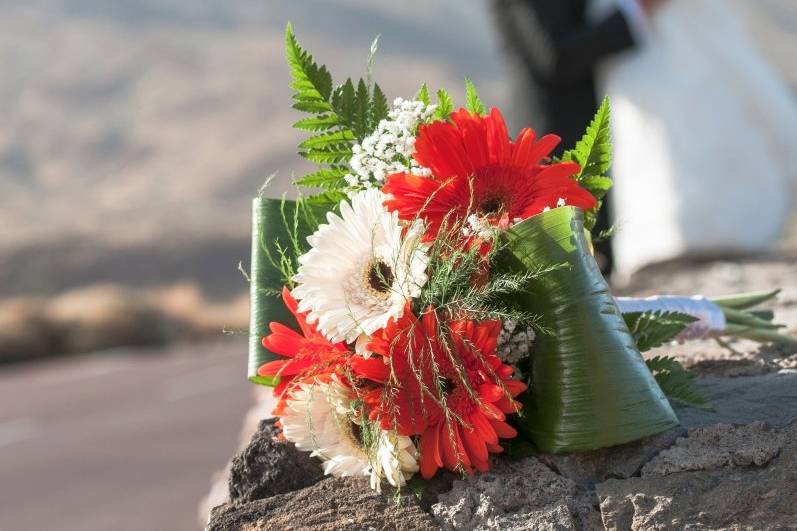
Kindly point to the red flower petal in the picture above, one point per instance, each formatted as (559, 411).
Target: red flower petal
(430, 452)
(504, 430)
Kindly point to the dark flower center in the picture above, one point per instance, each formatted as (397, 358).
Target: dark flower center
(446, 385)
(380, 277)
(490, 206)
(357, 433)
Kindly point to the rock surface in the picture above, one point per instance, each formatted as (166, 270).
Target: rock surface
(717, 446)
(269, 466)
(708, 498)
(513, 495)
(332, 504)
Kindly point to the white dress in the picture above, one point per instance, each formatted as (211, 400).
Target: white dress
(705, 139)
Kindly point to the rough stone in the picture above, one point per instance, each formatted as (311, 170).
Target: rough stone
(621, 461)
(771, 398)
(727, 498)
(269, 466)
(718, 446)
(520, 495)
(330, 505)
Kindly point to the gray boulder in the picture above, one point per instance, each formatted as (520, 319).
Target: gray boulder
(269, 466)
(729, 497)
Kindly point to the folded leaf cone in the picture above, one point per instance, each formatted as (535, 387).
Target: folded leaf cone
(589, 386)
(276, 224)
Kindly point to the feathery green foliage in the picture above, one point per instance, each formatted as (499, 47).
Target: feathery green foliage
(454, 290)
(594, 154)
(423, 95)
(653, 329)
(676, 382)
(445, 105)
(472, 101)
(339, 117)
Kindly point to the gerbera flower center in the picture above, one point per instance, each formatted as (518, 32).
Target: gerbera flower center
(447, 385)
(491, 206)
(380, 277)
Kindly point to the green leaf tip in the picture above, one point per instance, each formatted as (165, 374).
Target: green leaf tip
(676, 382)
(472, 100)
(594, 154)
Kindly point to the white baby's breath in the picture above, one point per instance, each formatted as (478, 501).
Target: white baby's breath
(390, 147)
(514, 344)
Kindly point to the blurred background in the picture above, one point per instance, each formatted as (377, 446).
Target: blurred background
(133, 135)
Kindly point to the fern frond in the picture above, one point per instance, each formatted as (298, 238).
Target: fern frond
(423, 95)
(594, 154)
(675, 381)
(312, 84)
(472, 101)
(594, 151)
(653, 329)
(336, 139)
(323, 122)
(324, 178)
(445, 105)
(327, 156)
(379, 107)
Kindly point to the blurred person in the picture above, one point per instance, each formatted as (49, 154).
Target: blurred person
(705, 139)
(559, 48)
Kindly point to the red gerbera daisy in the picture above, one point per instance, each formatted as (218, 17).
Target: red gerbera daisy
(477, 169)
(309, 353)
(455, 396)
(402, 365)
(480, 399)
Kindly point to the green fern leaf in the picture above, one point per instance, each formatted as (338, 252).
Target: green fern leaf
(379, 107)
(594, 151)
(324, 178)
(322, 156)
(339, 140)
(323, 122)
(423, 95)
(329, 199)
(312, 83)
(594, 154)
(597, 185)
(445, 105)
(362, 122)
(343, 102)
(675, 381)
(472, 101)
(653, 329)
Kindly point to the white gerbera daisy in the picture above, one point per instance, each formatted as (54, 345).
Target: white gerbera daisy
(318, 418)
(361, 269)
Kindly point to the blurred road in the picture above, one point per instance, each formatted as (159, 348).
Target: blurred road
(119, 441)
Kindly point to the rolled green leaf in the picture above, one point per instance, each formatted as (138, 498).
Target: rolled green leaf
(275, 225)
(589, 386)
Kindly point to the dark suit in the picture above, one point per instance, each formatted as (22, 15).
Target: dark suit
(558, 50)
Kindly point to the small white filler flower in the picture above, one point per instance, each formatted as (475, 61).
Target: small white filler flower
(361, 270)
(318, 418)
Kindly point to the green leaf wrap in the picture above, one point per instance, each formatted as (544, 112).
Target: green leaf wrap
(268, 229)
(589, 386)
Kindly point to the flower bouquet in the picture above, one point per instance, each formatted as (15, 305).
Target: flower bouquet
(431, 299)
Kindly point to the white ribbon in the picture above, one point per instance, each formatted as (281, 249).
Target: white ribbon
(710, 318)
